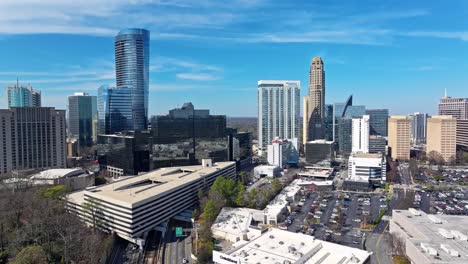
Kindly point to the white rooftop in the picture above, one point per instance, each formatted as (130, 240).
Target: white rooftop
(279, 246)
(446, 234)
(132, 191)
(282, 199)
(57, 173)
(236, 221)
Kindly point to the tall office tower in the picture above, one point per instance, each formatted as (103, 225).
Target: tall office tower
(399, 137)
(114, 109)
(329, 122)
(456, 107)
(360, 134)
(32, 138)
(418, 128)
(23, 96)
(441, 136)
(342, 123)
(378, 121)
(377, 144)
(132, 71)
(278, 111)
(82, 111)
(315, 110)
(462, 134)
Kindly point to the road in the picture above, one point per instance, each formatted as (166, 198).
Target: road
(177, 248)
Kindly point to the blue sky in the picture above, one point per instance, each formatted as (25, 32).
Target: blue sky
(399, 55)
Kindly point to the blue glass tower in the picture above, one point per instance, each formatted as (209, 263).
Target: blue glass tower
(132, 72)
(23, 96)
(114, 109)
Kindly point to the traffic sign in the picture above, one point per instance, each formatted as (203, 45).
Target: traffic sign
(179, 231)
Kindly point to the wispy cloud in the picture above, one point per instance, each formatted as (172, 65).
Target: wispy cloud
(424, 68)
(461, 35)
(197, 76)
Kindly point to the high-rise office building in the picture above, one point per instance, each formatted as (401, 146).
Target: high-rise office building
(132, 71)
(342, 123)
(185, 123)
(462, 134)
(23, 96)
(377, 144)
(32, 138)
(82, 111)
(360, 134)
(378, 121)
(329, 122)
(399, 137)
(278, 111)
(418, 128)
(114, 109)
(314, 108)
(456, 107)
(441, 136)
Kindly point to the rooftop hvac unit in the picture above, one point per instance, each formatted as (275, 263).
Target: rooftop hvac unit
(458, 235)
(445, 233)
(449, 250)
(414, 212)
(428, 249)
(434, 219)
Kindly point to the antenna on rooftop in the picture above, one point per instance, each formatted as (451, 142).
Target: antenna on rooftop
(17, 81)
(445, 92)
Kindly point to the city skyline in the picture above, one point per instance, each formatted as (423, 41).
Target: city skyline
(400, 41)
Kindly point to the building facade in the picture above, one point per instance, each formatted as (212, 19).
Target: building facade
(282, 152)
(462, 134)
(378, 121)
(318, 150)
(124, 154)
(114, 110)
(278, 111)
(132, 54)
(23, 96)
(370, 168)
(82, 113)
(418, 128)
(360, 134)
(377, 144)
(456, 107)
(441, 136)
(134, 206)
(32, 138)
(314, 109)
(399, 137)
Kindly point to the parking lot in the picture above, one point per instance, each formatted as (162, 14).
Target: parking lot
(334, 216)
(453, 202)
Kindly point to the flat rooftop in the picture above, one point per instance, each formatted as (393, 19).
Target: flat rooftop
(367, 155)
(236, 221)
(280, 246)
(427, 230)
(318, 172)
(133, 191)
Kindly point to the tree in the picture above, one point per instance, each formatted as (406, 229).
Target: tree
(438, 178)
(435, 158)
(243, 177)
(210, 212)
(240, 198)
(55, 192)
(276, 186)
(31, 255)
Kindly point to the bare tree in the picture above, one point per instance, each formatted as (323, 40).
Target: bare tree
(398, 245)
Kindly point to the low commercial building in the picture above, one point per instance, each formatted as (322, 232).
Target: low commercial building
(132, 207)
(319, 173)
(267, 171)
(431, 239)
(277, 209)
(316, 186)
(279, 246)
(318, 150)
(235, 224)
(282, 152)
(366, 167)
(76, 179)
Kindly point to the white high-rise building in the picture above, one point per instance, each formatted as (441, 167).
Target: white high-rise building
(360, 134)
(278, 111)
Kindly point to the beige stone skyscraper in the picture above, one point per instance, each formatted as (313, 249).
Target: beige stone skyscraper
(441, 136)
(399, 137)
(314, 104)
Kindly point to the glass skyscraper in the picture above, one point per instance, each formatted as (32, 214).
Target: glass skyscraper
(23, 96)
(132, 72)
(378, 121)
(114, 109)
(81, 114)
